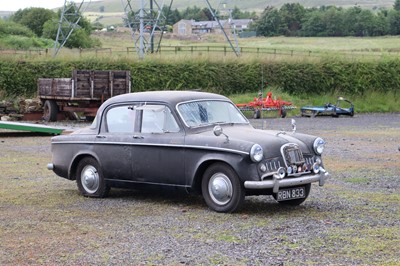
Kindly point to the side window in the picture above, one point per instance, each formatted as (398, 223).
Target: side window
(121, 119)
(157, 119)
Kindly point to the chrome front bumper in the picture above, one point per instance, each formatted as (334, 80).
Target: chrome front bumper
(277, 183)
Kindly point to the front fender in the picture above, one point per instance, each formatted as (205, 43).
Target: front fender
(241, 164)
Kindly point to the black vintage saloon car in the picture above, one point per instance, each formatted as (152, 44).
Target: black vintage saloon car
(193, 140)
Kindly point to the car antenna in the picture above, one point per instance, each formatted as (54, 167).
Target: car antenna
(262, 93)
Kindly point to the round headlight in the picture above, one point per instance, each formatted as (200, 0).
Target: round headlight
(319, 145)
(256, 153)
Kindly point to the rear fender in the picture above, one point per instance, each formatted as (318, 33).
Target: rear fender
(75, 161)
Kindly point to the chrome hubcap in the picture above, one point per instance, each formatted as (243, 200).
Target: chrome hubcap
(220, 188)
(90, 179)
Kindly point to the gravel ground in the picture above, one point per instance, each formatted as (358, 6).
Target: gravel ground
(353, 220)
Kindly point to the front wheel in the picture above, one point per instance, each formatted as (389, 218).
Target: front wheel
(90, 180)
(221, 188)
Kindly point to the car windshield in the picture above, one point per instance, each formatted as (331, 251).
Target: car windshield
(206, 112)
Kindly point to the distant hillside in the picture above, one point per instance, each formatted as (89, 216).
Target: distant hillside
(5, 14)
(247, 5)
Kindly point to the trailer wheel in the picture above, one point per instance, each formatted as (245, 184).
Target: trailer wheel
(50, 111)
(257, 114)
(282, 112)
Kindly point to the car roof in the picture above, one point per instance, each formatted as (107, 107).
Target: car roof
(171, 97)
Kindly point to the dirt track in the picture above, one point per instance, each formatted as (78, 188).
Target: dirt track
(354, 219)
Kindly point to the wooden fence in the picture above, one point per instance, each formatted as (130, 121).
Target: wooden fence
(193, 50)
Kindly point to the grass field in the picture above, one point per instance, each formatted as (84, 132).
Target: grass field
(292, 46)
(346, 44)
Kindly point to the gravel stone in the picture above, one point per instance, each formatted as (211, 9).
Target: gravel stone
(353, 220)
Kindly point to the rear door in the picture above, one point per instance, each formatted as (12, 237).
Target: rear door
(113, 144)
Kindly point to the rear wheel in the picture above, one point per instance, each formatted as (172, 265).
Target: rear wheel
(282, 112)
(314, 114)
(50, 111)
(90, 180)
(222, 190)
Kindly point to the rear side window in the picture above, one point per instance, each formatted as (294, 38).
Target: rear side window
(121, 119)
(144, 118)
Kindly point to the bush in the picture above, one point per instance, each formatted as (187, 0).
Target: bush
(24, 43)
(12, 28)
(298, 78)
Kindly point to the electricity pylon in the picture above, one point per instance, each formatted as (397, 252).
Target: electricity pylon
(146, 24)
(69, 19)
(233, 43)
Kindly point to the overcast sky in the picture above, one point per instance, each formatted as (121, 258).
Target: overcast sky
(14, 5)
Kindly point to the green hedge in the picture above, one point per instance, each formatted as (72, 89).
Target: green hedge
(19, 78)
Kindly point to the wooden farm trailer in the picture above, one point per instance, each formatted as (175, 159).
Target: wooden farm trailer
(83, 93)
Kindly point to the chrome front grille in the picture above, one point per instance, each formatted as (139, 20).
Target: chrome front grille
(293, 161)
(292, 154)
(273, 165)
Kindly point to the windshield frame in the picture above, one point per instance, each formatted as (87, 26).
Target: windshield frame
(177, 107)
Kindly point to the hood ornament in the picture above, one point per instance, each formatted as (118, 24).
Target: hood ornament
(282, 132)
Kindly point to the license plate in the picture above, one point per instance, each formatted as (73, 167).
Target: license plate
(291, 193)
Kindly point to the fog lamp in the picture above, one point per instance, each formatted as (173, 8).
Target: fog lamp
(281, 173)
(316, 168)
(290, 170)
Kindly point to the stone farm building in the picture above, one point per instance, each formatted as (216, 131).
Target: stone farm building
(190, 27)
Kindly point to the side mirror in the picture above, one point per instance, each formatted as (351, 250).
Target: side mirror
(218, 132)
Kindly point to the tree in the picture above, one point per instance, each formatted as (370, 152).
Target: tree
(333, 18)
(13, 28)
(381, 25)
(269, 22)
(238, 14)
(396, 5)
(173, 15)
(394, 22)
(292, 15)
(33, 18)
(191, 13)
(207, 13)
(80, 37)
(314, 24)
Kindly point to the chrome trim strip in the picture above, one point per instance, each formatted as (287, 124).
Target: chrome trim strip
(145, 183)
(287, 182)
(154, 145)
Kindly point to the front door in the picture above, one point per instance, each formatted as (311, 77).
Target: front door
(158, 149)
